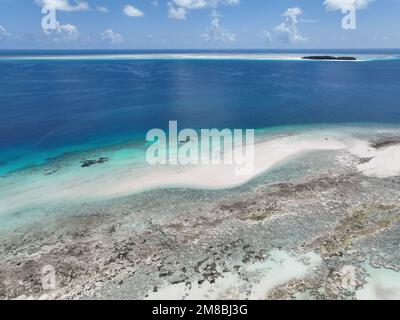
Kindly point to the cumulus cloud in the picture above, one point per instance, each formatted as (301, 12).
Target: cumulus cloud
(112, 36)
(215, 33)
(64, 5)
(102, 9)
(176, 12)
(287, 31)
(191, 4)
(201, 4)
(4, 33)
(132, 11)
(340, 4)
(178, 9)
(63, 32)
(267, 36)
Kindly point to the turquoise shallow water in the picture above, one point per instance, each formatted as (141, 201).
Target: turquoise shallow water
(53, 107)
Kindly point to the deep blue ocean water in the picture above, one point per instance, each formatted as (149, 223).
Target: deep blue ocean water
(48, 107)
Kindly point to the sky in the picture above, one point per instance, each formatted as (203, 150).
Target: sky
(199, 24)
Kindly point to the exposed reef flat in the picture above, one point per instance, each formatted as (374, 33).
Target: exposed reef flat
(313, 227)
(329, 58)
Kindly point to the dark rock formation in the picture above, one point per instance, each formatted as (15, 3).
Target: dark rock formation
(89, 163)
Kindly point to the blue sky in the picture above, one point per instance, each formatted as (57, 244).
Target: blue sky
(199, 24)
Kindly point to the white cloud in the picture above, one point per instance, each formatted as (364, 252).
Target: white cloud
(63, 32)
(293, 13)
(339, 4)
(64, 5)
(131, 11)
(287, 31)
(192, 4)
(178, 9)
(102, 9)
(176, 12)
(267, 36)
(215, 33)
(4, 33)
(112, 36)
(201, 4)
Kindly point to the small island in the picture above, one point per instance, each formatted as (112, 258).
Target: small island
(329, 58)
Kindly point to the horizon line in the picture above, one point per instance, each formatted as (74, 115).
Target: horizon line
(190, 49)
